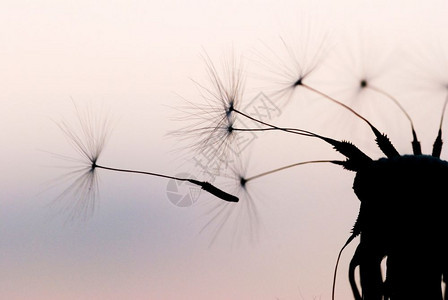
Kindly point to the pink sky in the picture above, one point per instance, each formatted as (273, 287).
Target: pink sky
(136, 60)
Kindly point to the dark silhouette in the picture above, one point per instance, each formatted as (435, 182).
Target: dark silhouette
(402, 213)
(401, 217)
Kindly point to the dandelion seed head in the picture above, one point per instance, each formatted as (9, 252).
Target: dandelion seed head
(88, 137)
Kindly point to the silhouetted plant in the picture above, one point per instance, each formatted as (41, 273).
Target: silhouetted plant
(402, 212)
(393, 221)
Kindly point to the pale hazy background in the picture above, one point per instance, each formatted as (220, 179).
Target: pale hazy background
(136, 59)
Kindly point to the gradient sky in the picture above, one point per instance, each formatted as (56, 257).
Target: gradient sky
(136, 60)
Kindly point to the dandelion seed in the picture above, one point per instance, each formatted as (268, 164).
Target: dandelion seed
(239, 221)
(211, 122)
(382, 140)
(291, 66)
(362, 60)
(89, 143)
(366, 66)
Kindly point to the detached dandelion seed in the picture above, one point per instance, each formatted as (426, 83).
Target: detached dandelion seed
(290, 70)
(89, 144)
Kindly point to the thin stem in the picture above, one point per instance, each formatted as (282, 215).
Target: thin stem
(337, 263)
(443, 112)
(415, 143)
(290, 130)
(139, 172)
(287, 167)
(346, 148)
(206, 186)
(382, 140)
(384, 93)
(336, 101)
(437, 147)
